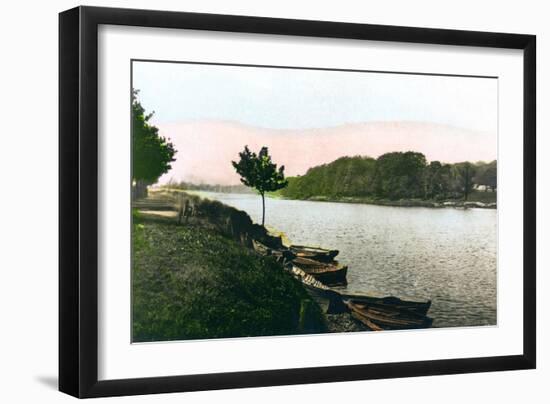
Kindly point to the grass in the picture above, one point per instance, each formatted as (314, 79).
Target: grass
(190, 282)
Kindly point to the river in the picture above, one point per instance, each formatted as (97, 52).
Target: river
(447, 255)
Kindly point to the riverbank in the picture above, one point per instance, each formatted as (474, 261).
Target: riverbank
(476, 201)
(197, 277)
(448, 255)
(191, 282)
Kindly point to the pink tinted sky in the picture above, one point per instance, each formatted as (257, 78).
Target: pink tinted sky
(205, 148)
(309, 117)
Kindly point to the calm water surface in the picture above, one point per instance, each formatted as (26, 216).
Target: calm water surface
(447, 255)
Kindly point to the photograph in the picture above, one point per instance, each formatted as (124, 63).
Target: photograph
(287, 200)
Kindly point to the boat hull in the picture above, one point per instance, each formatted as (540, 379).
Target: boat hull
(391, 302)
(328, 273)
(317, 254)
(328, 299)
(262, 249)
(386, 318)
(333, 278)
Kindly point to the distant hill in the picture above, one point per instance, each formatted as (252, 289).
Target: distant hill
(205, 148)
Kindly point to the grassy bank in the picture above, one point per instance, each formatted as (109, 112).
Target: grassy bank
(192, 282)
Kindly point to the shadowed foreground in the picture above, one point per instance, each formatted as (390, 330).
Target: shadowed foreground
(191, 282)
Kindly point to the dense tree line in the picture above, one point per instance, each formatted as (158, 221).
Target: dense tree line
(393, 176)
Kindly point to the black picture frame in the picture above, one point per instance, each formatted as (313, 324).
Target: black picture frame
(78, 200)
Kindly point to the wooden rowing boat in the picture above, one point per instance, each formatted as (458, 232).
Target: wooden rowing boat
(328, 299)
(261, 248)
(274, 252)
(314, 253)
(387, 313)
(417, 306)
(386, 318)
(330, 273)
(376, 312)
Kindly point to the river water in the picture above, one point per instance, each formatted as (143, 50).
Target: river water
(447, 255)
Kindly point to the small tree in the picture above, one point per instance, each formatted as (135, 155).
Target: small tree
(259, 172)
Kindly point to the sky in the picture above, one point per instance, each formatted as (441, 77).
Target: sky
(209, 110)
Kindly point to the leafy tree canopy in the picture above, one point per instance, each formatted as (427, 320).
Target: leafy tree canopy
(151, 153)
(259, 172)
(487, 175)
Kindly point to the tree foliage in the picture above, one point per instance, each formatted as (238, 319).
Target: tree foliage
(439, 180)
(347, 176)
(393, 176)
(487, 175)
(466, 172)
(400, 175)
(259, 172)
(151, 153)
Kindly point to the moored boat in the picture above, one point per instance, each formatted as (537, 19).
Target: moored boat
(328, 299)
(261, 248)
(314, 253)
(387, 318)
(419, 306)
(377, 312)
(268, 251)
(329, 273)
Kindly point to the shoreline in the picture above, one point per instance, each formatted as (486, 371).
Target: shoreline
(403, 203)
(213, 219)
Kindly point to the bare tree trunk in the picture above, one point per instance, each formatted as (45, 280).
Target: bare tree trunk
(140, 190)
(263, 208)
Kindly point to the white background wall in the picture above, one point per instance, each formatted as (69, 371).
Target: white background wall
(28, 202)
